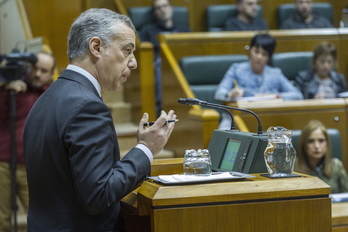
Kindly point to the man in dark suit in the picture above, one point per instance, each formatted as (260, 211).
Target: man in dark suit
(246, 19)
(304, 17)
(75, 176)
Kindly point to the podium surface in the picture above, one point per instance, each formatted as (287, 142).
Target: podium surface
(253, 204)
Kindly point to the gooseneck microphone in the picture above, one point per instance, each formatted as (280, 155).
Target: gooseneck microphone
(194, 101)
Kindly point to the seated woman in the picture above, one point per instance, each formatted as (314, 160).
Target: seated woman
(255, 77)
(314, 157)
(322, 81)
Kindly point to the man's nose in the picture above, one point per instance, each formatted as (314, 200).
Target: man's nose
(38, 73)
(132, 64)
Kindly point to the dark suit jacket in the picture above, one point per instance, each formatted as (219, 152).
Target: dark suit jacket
(75, 175)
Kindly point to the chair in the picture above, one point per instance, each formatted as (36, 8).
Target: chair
(286, 10)
(142, 15)
(216, 16)
(204, 73)
(335, 138)
(291, 62)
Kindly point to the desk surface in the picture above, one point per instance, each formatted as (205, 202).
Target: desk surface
(340, 214)
(259, 188)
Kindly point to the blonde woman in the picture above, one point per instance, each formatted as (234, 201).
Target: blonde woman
(314, 157)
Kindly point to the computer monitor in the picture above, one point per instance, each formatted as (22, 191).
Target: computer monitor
(238, 151)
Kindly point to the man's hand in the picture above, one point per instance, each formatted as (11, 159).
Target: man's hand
(156, 136)
(17, 86)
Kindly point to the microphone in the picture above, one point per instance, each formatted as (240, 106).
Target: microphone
(194, 101)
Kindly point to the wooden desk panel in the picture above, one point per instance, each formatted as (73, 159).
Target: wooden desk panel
(247, 205)
(292, 215)
(340, 217)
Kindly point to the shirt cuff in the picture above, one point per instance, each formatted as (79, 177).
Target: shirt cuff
(146, 150)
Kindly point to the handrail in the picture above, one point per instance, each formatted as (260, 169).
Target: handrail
(178, 73)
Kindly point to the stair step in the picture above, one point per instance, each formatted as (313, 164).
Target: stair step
(120, 111)
(127, 135)
(113, 96)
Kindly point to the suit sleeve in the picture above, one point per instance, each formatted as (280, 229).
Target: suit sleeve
(100, 178)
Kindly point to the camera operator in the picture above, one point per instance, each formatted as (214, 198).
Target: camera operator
(28, 90)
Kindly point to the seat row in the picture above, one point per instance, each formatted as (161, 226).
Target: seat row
(216, 15)
(204, 73)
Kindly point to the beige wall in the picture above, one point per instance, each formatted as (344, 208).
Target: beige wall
(12, 28)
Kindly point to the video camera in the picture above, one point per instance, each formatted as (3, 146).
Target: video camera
(15, 65)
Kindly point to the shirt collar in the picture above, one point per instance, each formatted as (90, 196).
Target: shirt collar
(87, 75)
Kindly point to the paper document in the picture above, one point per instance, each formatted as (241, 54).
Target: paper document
(339, 197)
(180, 178)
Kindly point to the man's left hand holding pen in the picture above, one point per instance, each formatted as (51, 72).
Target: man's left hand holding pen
(156, 136)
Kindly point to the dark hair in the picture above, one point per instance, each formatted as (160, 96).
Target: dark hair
(324, 48)
(153, 3)
(266, 41)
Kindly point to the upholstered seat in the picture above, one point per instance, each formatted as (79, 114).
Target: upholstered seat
(216, 16)
(286, 10)
(204, 73)
(141, 16)
(292, 62)
(335, 138)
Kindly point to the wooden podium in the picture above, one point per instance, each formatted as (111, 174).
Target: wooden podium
(253, 204)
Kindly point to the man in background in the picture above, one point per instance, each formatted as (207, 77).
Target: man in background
(246, 19)
(163, 13)
(26, 91)
(305, 18)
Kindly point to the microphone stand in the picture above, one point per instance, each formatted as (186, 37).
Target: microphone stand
(194, 101)
(259, 128)
(13, 162)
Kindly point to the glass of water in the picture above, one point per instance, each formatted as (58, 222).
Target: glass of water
(197, 162)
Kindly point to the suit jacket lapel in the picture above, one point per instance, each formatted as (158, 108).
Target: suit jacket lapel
(79, 78)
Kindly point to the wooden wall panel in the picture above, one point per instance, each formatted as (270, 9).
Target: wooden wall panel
(52, 20)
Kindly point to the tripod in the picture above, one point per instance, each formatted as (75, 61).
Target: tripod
(13, 162)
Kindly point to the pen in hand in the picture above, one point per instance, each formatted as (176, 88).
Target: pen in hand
(168, 121)
(235, 83)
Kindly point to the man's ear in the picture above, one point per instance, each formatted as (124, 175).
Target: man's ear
(95, 45)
